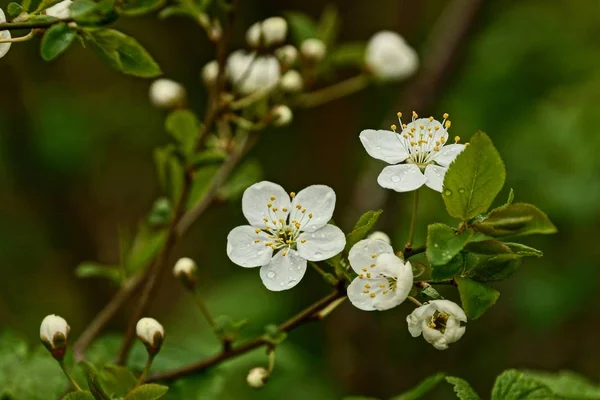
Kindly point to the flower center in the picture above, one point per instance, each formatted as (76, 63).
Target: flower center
(381, 288)
(438, 321)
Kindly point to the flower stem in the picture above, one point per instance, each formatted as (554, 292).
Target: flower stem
(146, 369)
(25, 38)
(271, 360)
(68, 375)
(413, 221)
(204, 309)
(329, 278)
(333, 92)
(414, 301)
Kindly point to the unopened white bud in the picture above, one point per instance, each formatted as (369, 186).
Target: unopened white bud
(54, 333)
(313, 49)
(151, 333)
(281, 115)
(253, 35)
(274, 30)
(60, 10)
(291, 81)
(165, 93)
(210, 73)
(377, 235)
(216, 31)
(185, 270)
(389, 57)
(287, 54)
(257, 377)
(4, 35)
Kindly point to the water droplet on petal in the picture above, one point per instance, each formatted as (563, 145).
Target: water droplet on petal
(291, 282)
(378, 147)
(395, 178)
(271, 274)
(318, 254)
(260, 252)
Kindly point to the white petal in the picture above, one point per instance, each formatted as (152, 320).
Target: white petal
(435, 176)
(401, 178)
(450, 308)
(243, 249)
(448, 153)
(433, 336)
(255, 200)
(416, 318)
(4, 35)
(360, 299)
(384, 145)
(453, 330)
(364, 255)
(284, 271)
(399, 270)
(318, 203)
(321, 244)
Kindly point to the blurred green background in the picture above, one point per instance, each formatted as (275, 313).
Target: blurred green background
(76, 163)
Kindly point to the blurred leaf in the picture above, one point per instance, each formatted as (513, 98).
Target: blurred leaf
(95, 386)
(463, 390)
(448, 270)
(56, 40)
(474, 179)
(248, 173)
(360, 398)
(88, 12)
(13, 351)
(160, 214)
(515, 220)
(82, 8)
(177, 11)
(422, 388)
(348, 55)
(170, 171)
(444, 242)
(185, 129)
(523, 250)
(150, 391)
(227, 328)
(208, 157)
(274, 335)
(139, 7)
(79, 396)
(329, 25)
(489, 247)
(123, 53)
(514, 385)
(301, 25)
(91, 269)
(567, 384)
(117, 380)
(38, 377)
(14, 9)
(476, 297)
(430, 293)
(145, 247)
(363, 226)
(498, 260)
(44, 4)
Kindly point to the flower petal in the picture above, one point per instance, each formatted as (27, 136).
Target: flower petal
(416, 318)
(284, 271)
(364, 255)
(313, 207)
(401, 178)
(359, 293)
(321, 244)
(384, 145)
(453, 330)
(435, 176)
(433, 336)
(255, 204)
(448, 153)
(244, 250)
(449, 307)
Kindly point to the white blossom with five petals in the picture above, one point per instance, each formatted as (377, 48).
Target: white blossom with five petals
(440, 322)
(384, 280)
(284, 232)
(420, 152)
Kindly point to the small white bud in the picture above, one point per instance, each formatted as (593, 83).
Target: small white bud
(54, 333)
(291, 81)
(185, 270)
(313, 49)
(249, 73)
(274, 30)
(287, 54)
(377, 235)
(389, 57)
(210, 73)
(151, 333)
(4, 35)
(253, 35)
(60, 10)
(257, 377)
(165, 93)
(281, 115)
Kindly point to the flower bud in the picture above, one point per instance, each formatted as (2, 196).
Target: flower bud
(287, 54)
(54, 332)
(377, 235)
(253, 35)
(165, 93)
(274, 30)
(151, 333)
(281, 115)
(389, 57)
(185, 269)
(257, 377)
(4, 35)
(313, 49)
(60, 10)
(291, 81)
(210, 73)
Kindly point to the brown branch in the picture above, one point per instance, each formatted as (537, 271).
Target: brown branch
(413, 251)
(307, 315)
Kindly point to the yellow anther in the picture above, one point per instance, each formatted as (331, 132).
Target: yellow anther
(303, 241)
(293, 194)
(430, 119)
(443, 139)
(405, 136)
(269, 244)
(372, 265)
(413, 129)
(456, 139)
(399, 114)
(266, 220)
(284, 209)
(365, 291)
(272, 198)
(466, 144)
(382, 285)
(285, 253)
(446, 115)
(437, 128)
(275, 209)
(303, 210)
(385, 292)
(404, 126)
(310, 215)
(361, 276)
(298, 207)
(281, 220)
(368, 275)
(436, 148)
(364, 269)
(415, 115)
(393, 127)
(269, 205)
(413, 143)
(372, 294)
(421, 127)
(257, 230)
(274, 222)
(367, 286)
(374, 255)
(256, 240)
(447, 124)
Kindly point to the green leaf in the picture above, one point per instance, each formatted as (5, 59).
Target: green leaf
(82, 8)
(363, 226)
(117, 380)
(489, 247)
(184, 127)
(56, 40)
(329, 25)
(360, 398)
(169, 171)
(476, 297)
(228, 328)
(567, 384)
(79, 396)
(95, 385)
(463, 390)
(514, 385)
(44, 4)
(302, 26)
(421, 389)
(14, 9)
(13, 352)
(348, 55)
(149, 391)
(208, 157)
(443, 243)
(515, 220)
(498, 260)
(161, 212)
(244, 176)
(139, 7)
(145, 247)
(474, 179)
(123, 53)
(90, 269)
(448, 270)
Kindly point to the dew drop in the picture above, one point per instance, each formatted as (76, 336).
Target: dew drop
(318, 254)
(448, 192)
(366, 248)
(271, 274)
(291, 282)
(395, 178)
(436, 245)
(461, 190)
(260, 252)
(378, 147)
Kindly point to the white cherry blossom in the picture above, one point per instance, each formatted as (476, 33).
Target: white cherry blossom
(440, 322)
(284, 232)
(420, 152)
(4, 35)
(389, 57)
(384, 280)
(250, 72)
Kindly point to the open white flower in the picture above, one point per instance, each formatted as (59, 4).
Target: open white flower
(54, 332)
(383, 280)
(284, 233)
(419, 149)
(389, 57)
(4, 35)
(439, 321)
(249, 72)
(60, 10)
(151, 333)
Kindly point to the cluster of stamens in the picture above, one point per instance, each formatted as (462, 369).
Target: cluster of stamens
(438, 321)
(391, 285)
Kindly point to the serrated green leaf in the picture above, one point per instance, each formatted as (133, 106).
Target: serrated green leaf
(14, 9)
(184, 127)
(363, 226)
(515, 220)
(497, 260)
(463, 390)
(489, 247)
(421, 389)
(444, 242)
(567, 384)
(475, 297)
(56, 40)
(329, 25)
(448, 270)
(302, 26)
(117, 380)
(79, 396)
(139, 7)
(514, 385)
(123, 53)
(348, 55)
(474, 179)
(150, 391)
(91, 269)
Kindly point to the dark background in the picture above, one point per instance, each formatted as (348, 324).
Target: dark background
(76, 164)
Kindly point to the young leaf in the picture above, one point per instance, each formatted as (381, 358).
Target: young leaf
(56, 40)
(150, 391)
(79, 396)
(185, 129)
(476, 297)
(90, 269)
(448, 270)
(139, 7)
(117, 380)
(567, 384)
(208, 157)
(245, 175)
(329, 25)
(302, 26)
(348, 55)
(514, 385)
(463, 390)
(498, 260)
(421, 389)
(123, 53)
(14, 9)
(474, 179)
(443, 243)
(361, 229)
(515, 220)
